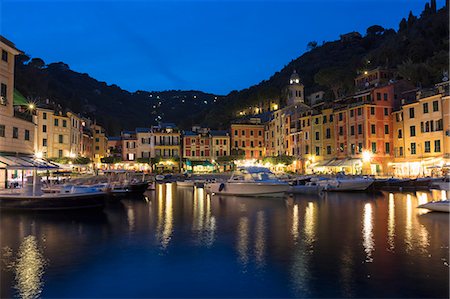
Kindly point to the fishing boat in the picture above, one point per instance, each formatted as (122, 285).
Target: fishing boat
(31, 197)
(437, 206)
(250, 181)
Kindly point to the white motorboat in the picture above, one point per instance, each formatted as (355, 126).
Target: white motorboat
(345, 184)
(442, 184)
(250, 181)
(31, 197)
(437, 206)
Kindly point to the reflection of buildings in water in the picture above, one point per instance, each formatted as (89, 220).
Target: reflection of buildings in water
(203, 223)
(243, 240)
(408, 223)
(260, 239)
(310, 223)
(422, 198)
(368, 240)
(416, 234)
(29, 269)
(165, 214)
(346, 272)
(391, 222)
(300, 272)
(295, 223)
(131, 219)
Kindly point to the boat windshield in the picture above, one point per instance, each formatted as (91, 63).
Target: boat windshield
(254, 174)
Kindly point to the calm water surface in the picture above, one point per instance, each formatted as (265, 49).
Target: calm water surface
(184, 243)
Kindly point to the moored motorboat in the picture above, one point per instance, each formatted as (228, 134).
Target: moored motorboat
(31, 197)
(250, 181)
(345, 184)
(441, 184)
(307, 188)
(437, 206)
(186, 183)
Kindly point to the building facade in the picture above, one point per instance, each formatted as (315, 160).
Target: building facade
(248, 138)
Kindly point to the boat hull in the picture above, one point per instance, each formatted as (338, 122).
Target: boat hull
(185, 184)
(248, 189)
(138, 188)
(343, 185)
(441, 185)
(305, 189)
(49, 202)
(437, 206)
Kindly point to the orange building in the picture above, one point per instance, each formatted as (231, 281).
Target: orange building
(249, 138)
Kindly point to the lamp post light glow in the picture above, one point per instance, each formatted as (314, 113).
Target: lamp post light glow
(39, 155)
(366, 156)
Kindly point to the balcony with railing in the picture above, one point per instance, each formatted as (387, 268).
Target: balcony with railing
(23, 115)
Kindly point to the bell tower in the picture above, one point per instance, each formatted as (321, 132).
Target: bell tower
(295, 90)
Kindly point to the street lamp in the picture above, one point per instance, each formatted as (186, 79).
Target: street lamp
(366, 156)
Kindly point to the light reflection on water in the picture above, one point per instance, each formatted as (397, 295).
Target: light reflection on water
(391, 222)
(355, 244)
(368, 243)
(29, 269)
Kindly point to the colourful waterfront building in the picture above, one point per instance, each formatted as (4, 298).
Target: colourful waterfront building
(129, 145)
(100, 147)
(248, 137)
(16, 128)
(58, 134)
(421, 133)
(220, 141)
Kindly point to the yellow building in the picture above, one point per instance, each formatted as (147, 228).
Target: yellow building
(16, 128)
(328, 143)
(100, 148)
(58, 135)
(220, 144)
(420, 135)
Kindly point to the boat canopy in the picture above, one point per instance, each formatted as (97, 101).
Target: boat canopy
(25, 162)
(253, 169)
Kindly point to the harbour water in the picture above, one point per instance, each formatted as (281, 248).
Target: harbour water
(185, 243)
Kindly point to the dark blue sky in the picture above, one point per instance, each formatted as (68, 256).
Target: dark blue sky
(214, 46)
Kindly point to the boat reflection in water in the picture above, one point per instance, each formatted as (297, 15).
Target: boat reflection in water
(184, 243)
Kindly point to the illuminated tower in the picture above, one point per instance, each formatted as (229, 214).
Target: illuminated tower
(295, 90)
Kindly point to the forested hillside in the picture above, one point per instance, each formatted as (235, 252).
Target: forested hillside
(418, 49)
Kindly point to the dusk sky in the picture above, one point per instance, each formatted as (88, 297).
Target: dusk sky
(213, 46)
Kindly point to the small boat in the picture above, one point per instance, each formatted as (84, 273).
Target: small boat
(126, 188)
(344, 184)
(307, 188)
(390, 184)
(187, 184)
(32, 198)
(437, 206)
(442, 184)
(250, 181)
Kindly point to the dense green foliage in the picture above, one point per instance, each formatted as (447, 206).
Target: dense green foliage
(282, 159)
(114, 108)
(67, 160)
(419, 50)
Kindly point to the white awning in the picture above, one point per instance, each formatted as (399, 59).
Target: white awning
(25, 162)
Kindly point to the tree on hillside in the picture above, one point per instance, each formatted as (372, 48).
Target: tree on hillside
(311, 45)
(334, 78)
(37, 63)
(403, 25)
(375, 30)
